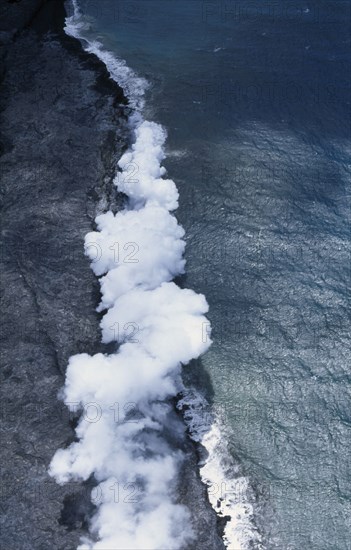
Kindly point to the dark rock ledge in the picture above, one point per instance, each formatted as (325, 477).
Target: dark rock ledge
(62, 128)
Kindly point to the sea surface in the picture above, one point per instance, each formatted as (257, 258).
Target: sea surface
(255, 99)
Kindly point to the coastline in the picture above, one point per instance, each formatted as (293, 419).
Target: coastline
(62, 124)
(44, 263)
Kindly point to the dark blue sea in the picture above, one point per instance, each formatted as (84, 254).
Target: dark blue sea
(255, 99)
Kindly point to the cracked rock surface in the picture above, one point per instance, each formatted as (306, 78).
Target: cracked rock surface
(63, 126)
(60, 115)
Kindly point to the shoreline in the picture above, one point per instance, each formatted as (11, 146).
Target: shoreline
(191, 484)
(63, 512)
(63, 124)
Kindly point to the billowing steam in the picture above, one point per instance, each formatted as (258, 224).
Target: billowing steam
(125, 396)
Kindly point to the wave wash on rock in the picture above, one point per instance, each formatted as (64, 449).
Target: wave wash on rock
(125, 396)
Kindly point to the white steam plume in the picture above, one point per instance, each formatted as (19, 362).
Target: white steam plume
(124, 397)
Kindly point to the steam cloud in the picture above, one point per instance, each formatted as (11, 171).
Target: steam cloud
(123, 437)
(158, 327)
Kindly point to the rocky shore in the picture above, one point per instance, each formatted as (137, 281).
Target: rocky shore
(63, 126)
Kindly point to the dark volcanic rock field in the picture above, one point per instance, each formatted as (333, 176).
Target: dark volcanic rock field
(63, 125)
(59, 120)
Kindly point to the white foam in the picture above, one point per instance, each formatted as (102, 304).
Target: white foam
(134, 87)
(228, 490)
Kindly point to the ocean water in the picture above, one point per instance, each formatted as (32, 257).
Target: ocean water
(255, 99)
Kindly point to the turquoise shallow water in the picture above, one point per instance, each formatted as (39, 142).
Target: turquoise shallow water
(255, 99)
